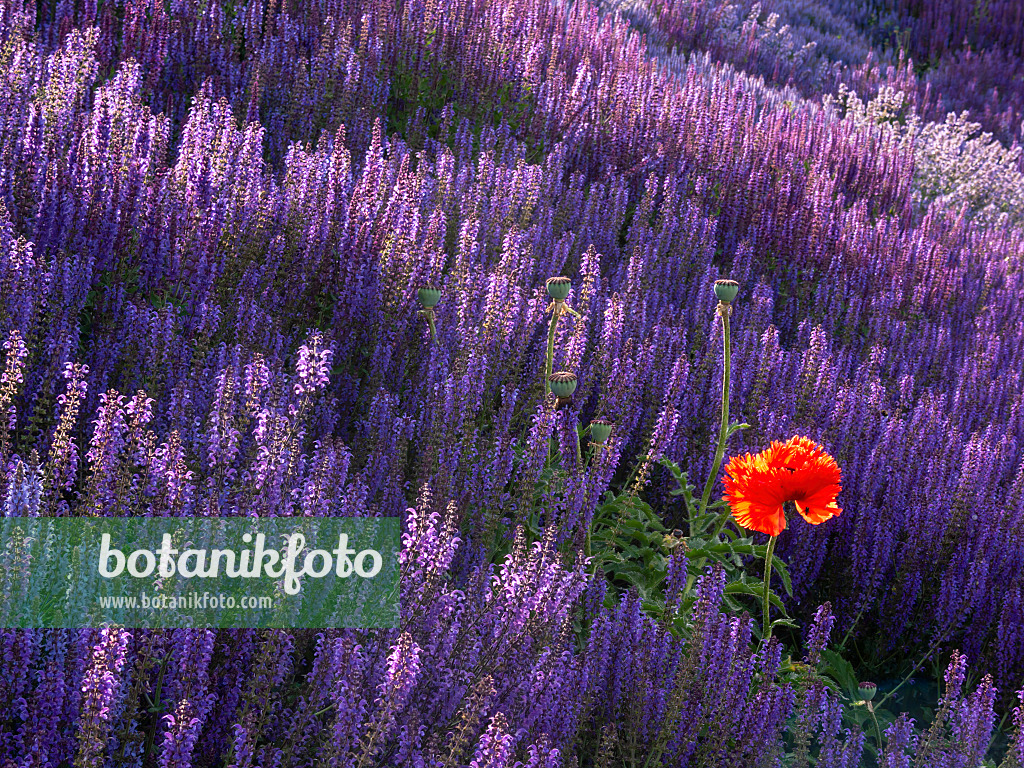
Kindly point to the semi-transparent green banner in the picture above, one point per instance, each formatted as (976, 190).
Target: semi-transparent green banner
(212, 572)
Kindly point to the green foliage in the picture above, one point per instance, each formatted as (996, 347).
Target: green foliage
(628, 542)
(441, 86)
(631, 545)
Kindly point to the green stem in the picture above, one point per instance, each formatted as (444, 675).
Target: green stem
(590, 455)
(328, 708)
(550, 359)
(846, 637)
(997, 731)
(430, 322)
(722, 520)
(927, 655)
(723, 430)
(724, 425)
(878, 731)
(766, 632)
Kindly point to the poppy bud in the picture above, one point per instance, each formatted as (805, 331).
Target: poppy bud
(600, 431)
(726, 290)
(867, 691)
(563, 384)
(429, 296)
(558, 287)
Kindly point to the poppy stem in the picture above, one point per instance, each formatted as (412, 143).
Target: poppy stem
(723, 429)
(549, 360)
(428, 314)
(878, 731)
(766, 631)
(430, 322)
(724, 310)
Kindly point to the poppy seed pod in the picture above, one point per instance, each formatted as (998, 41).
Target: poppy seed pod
(429, 296)
(563, 384)
(600, 431)
(867, 691)
(558, 287)
(726, 290)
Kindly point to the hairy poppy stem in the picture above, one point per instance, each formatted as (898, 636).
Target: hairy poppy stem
(766, 631)
(878, 731)
(549, 360)
(557, 309)
(430, 321)
(724, 310)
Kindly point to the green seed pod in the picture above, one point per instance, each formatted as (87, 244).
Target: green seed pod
(867, 691)
(429, 296)
(563, 384)
(600, 431)
(726, 290)
(558, 287)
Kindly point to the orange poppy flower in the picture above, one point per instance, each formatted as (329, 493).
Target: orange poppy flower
(799, 470)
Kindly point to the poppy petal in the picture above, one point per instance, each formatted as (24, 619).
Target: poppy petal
(799, 470)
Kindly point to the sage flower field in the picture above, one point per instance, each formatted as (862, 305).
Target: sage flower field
(685, 338)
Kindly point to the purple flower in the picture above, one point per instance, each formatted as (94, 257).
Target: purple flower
(313, 365)
(24, 491)
(102, 688)
(494, 749)
(821, 629)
